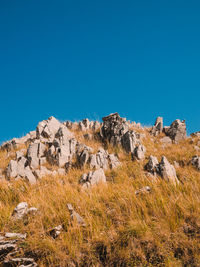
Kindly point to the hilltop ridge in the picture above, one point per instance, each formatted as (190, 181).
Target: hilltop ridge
(97, 194)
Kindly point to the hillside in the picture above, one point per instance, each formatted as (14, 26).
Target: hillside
(101, 194)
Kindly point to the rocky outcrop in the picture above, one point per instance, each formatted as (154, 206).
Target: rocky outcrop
(47, 129)
(36, 154)
(167, 171)
(176, 131)
(92, 178)
(10, 249)
(152, 166)
(99, 160)
(114, 127)
(129, 141)
(158, 127)
(19, 169)
(139, 153)
(163, 169)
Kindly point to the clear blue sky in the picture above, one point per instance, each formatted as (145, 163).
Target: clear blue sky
(75, 59)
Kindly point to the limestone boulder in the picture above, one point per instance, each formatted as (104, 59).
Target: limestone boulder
(93, 178)
(114, 127)
(158, 126)
(129, 141)
(152, 166)
(48, 128)
(139, 153)
(167, 171)
(176, 131)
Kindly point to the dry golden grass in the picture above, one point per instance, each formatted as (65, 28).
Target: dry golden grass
(157, 229)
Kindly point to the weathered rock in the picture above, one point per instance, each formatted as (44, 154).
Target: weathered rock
(75, 216)
(99, 160)
(15, 235)
(195, 161)
(34, 153)
(167, 171)
(158, 126)
(48, 128)
(56, 231)
(93, 178)
(21, 262)
(113, 161)
(139, 152)
(20, 169)
(129, 141)
(176, 131)
(22, 210)
(63, 135)
(12, 169)
(83, 154)
(114, 127)
(145, 189)
(61, 154)
(152, 166)
(6, 248)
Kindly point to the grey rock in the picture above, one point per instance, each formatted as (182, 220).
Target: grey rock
(12, 169)
(21, 262)
(6, 248)
(158, 127)
(34, 153)
(176, 131)
(75, 216)
(29, 176)
(20, 153)
(167, 171)
(83, 155)
(48, 128)
(20, 211)
(114, 127)
(152, 166)
(43, 171)
(139, 152)
(129, 141)
(99, 160)
(20, 169)
(15, 235)
(56, 231)
(195, 161)
(93, 178)
(113, 161)
(61, 154)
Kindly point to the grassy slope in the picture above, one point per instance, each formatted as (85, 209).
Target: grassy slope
(157, 229)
